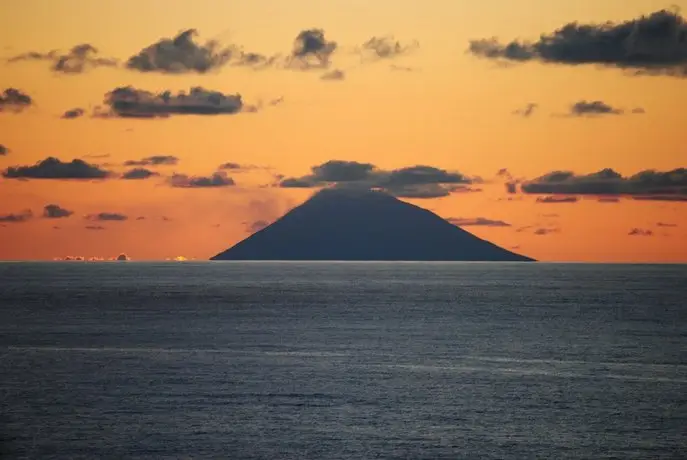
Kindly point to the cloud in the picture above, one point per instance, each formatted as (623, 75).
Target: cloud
(155, 160)
(230, 165)
(53, 168)
(253, 60)
(334, 75)
(14, 100)
(180, 54)
(385, 47)
(73, 113)
(17, 218)
(78, 60)
(129, 102)
(401, 68)
(418, 181)
(527, 110)
(660, 198)
(651, 44)
(257, 225)
(54, 211)
(4, 150)
(94, 227)
(640, 232)
(608, 199)
(648, 184)
(139, 173)
(582, 108)
(546, 231)
(477, 221)
(557, 199)
(665, 224)
(311, 49)
(107, 216)
(217, 179)
(511, 187)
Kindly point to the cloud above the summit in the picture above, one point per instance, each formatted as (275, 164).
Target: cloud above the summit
(418, 181)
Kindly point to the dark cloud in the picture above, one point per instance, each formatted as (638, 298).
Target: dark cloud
(4, 150)
(53, 168)
(230, 165)
(107, 216)
(527, 110)
(129, 102)
(411, 182)
(180, 54)
(255, 61)
(643, 185)
(557, 199)
(638, 110)
(54, 211)
(424, 191)
(582, 108)
(665, 224)
(334, 75)
(342, 171)
(14, 100)
(139, 173)
(311, 49)
(418, 175)
(17, 218)
(97, 155)
(79, 59)
(546, 231)
(257, 225)
(654, 44)
(386, 47)
(155, 160)
(640, 232)
(94, 227)
(218, 179)
(295, 182)
(477, 221)
(73, 113)
(608, 199)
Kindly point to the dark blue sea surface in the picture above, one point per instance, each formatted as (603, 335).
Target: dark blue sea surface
(342, 360)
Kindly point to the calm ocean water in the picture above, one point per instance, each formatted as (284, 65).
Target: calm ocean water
(342, 360)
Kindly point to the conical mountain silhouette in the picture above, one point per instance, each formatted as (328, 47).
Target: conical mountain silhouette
(344, 224)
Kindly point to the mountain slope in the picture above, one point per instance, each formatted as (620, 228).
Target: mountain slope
(339, 224)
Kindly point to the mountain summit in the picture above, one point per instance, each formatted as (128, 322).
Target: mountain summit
(343, 224)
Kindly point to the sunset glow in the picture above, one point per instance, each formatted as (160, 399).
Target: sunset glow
(156, 128)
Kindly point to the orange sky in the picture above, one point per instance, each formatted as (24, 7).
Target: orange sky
(449, 109)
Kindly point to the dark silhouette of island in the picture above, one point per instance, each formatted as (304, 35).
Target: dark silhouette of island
(357, 225)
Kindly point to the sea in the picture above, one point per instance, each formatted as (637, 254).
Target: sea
(342, 360)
